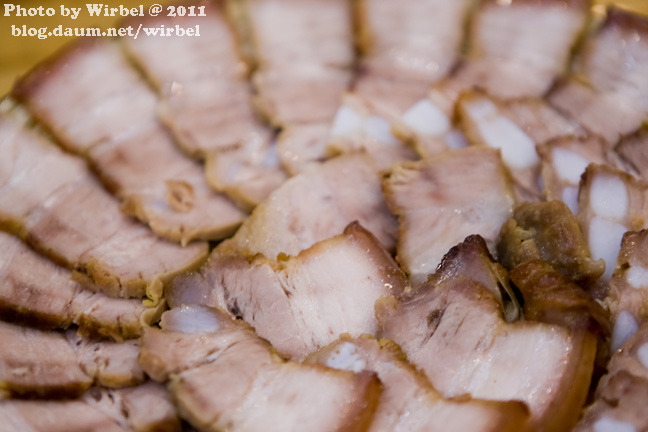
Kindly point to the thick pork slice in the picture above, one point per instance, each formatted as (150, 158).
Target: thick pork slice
(114, 126)
(39, 363)
(453, 328)
(609, 93)
(408, 402)
(144, 408)
(206, 102)
(442, 200)
(50, 198)
(223, 376)
(36, 291)
(316, 205)
(300, 303)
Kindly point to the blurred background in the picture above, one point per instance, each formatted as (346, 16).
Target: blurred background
(19, 54)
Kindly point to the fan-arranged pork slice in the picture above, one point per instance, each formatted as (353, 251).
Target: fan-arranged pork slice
(453, 328)
(301, 47)
(564, 161)
(634, 152)
(408, 401)
(51, 199)
(628, 289)
(517, 49)
(442, 200)
(223, 376)
(611, 202)
(316, 205)
(115, 127)
(608, 94)
(143, 408)
(620, 404)
(40, 363)
(550, 232)
(301, 303)
(36, 291)
(206, 102)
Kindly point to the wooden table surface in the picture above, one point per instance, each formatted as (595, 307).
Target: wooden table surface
(19, 54)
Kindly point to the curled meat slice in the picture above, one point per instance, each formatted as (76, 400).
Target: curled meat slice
(38, 292)
(141, 409)
(608, 95)
(408, 401)
(114, 126)
(38, 363)
(202, 352)
(50, 198)
(206, 102)
(442, 200)
(300, 303)
(313, 206)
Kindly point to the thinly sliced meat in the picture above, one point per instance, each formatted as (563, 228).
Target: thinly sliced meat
(206, 102)
(263, 392)
(517, 50)
(550, 232)
(39, 363)
(611, 202)
(620, 403)
(141, 409)
(37, 292)
(408, 401)
(301, 303)
(564, 161)
(628, 289)
(634, 151)
(50, 198)
(313, 206)
(442, 200)
(114, 126)
(609, 93)
(300, 48)
(454, 330)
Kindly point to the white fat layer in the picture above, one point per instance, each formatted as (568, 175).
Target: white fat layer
(425, 118)
(637, 276)
(190, 319)
(569, 165)
(379, 129)
(346, 122)
(624, 327)
(609, 197)
(346, 357)
(570, 198)
(642, 355)
(455, 139)
(606, 424)
(605, 242)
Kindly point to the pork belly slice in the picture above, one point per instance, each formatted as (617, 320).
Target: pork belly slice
(49, 198)
(408, 401)
(454, 330)
(144, 408)
(621, 395)
(609, 94)
(206, 102)
(316, 205)
(114, 126)
(41, 363)
(627, 297)
(550, 232)
(202, 351)
(301, 303)
(517, 50)
(611, 202)
(634, 152)
(36, 291)
(442, 200)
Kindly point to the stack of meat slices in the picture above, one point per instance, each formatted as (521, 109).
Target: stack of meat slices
(331, 215)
